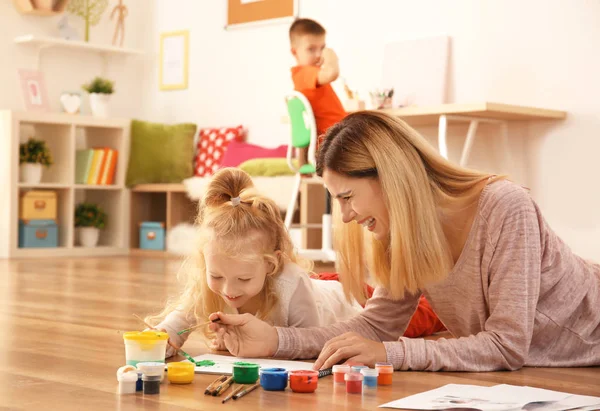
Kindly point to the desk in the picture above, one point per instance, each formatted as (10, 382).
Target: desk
(61, 346)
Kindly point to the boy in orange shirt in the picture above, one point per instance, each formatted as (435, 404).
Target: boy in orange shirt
(317, 68)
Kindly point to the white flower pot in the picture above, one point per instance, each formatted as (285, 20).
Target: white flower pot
(88, 236)
(99, 104)
(31, 173)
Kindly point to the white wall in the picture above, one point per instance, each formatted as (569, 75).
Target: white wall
(538, 52)
(67, 70)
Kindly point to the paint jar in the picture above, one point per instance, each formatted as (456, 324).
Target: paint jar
(139, 385)
(339, 371)
(304, 381)
(152, 368)
(151, 384)
(357, 368)
(145, 346)
(386, 373)
(180, 372)
(273, 379)
(127, 382)
(369, 378)
(245, 372)
(354, 382)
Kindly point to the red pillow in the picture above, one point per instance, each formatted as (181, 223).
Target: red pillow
(238, 152)
(211, 146)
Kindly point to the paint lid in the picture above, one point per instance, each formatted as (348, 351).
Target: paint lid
(353, 376)
(152, 368)
(340, 368)
(369, 372)
(124, 369)
(149, 335)
(384, 367)
(130, 376)
(357, 368)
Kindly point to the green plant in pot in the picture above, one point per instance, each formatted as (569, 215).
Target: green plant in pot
(100, 90)
(33, 154)
(89, 220)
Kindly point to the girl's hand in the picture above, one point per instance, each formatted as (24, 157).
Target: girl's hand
(352, 348)
(244, 335)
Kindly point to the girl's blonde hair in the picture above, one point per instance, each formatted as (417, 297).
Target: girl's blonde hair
(416, 183)
(231, 216)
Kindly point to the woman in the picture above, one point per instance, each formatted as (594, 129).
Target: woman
(476, 245)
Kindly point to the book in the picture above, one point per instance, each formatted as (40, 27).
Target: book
(83, 163)
(95, 169)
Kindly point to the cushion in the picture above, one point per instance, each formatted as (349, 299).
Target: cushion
(238, 152)
(160, 153)
(268, 167)
(211, 146)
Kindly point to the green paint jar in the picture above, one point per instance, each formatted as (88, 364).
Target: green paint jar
(245, 372)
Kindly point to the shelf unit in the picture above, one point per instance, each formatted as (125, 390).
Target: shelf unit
(64, 134)
(167, 203)
(46, 42)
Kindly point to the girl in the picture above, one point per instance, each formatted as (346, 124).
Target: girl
(246, 264)
(501, 281)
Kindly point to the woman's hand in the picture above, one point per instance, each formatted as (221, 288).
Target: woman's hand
(352, 348)
(244, 335)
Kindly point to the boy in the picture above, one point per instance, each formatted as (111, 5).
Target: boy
(317, 68)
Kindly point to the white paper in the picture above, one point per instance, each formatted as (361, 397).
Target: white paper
(224, 364)
(500, 397)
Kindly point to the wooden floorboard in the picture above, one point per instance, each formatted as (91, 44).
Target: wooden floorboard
(62, 323)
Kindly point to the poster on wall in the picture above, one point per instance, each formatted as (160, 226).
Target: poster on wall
(174, 60)
(242, 12)
(33, 88)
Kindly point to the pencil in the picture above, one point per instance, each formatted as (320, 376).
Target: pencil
(234, 392)
(246, 391)
(212, 385)
(222, 387)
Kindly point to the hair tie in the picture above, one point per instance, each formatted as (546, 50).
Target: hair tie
(235, 201)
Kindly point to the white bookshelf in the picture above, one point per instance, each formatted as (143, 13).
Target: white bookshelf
(64, 134)
(47, 42)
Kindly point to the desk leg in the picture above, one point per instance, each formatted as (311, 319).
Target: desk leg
(442, 143)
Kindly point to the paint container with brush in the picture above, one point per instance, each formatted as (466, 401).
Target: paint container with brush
(145, 346)
(245, 372)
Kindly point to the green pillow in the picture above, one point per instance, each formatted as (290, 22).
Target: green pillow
(268, 167)
(160, 153)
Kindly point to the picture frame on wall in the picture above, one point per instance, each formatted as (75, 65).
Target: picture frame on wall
(174, 60)
(33, 89)
(250, 12)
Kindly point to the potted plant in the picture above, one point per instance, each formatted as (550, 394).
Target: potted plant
(89, 220)
(33, 154)
(100, 90)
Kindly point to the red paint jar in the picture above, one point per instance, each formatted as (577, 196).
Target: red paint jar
(339, 371)
(354, 382)
(304, 381)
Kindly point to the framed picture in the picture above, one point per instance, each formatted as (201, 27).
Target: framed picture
(33, 89)
(242, 12)
(174, 60)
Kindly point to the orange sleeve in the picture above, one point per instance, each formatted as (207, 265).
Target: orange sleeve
(306, 77)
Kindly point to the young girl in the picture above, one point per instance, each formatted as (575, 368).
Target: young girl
(246, 264)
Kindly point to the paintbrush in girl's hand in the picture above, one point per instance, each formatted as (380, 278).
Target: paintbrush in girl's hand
(187, 330)
(151, 327)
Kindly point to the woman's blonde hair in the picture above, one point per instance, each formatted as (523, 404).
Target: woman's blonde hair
(233, 215)
(416, 183)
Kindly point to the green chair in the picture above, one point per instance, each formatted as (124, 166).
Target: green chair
(303, 135)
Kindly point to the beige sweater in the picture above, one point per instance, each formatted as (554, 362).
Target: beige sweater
(517, 296)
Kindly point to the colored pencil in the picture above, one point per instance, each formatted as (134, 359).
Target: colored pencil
(246, 391)
(234, 392)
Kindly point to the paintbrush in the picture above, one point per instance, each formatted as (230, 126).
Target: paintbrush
(248, 390)
(211, 386)
(187, 330)
(234, 392)
(223, 386)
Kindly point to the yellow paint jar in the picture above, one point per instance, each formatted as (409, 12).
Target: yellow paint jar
(180, 372)
(145, 346)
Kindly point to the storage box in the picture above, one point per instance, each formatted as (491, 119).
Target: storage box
(38, 205)
(152, 235)
(38, 233)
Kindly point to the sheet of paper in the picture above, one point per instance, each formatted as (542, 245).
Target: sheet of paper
(497, 398)
(224, 364)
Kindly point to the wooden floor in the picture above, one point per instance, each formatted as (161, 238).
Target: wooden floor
(61, 346)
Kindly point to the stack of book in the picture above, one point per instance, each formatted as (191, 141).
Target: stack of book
(95, 166)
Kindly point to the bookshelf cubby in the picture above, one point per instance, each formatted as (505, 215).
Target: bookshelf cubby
(64, 135)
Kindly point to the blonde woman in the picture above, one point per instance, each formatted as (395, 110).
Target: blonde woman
(476, 245)
(246, 264)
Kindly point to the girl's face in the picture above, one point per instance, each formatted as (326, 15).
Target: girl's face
(236, 280)
(361, 200)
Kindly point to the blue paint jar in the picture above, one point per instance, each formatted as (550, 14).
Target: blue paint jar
(139, 385)
(369, 378)
(273, 379)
